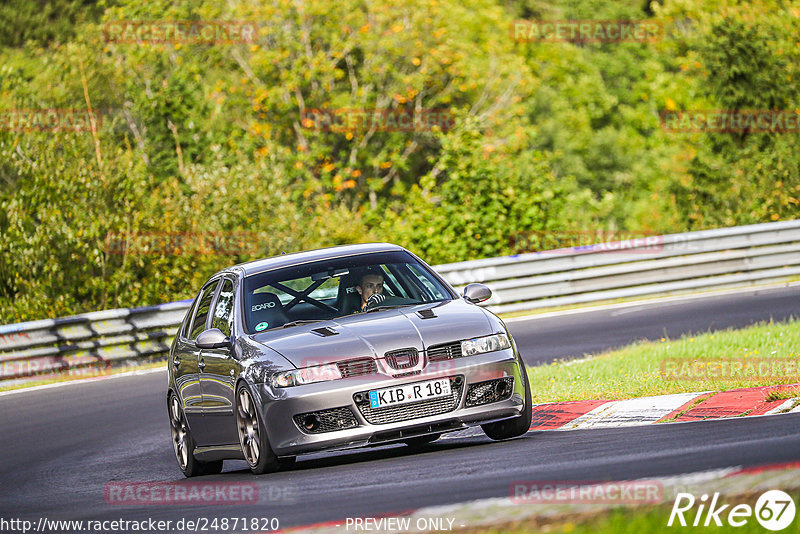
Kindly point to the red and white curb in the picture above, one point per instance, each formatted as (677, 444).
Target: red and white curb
(675, 408)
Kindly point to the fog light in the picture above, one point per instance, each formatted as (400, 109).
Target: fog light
(311, 422)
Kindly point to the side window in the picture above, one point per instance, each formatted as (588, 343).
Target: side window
(223, 311)
(199, 323)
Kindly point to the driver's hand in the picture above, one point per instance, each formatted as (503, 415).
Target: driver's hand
(374, 300)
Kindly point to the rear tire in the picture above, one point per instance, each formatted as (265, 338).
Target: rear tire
(183, 443)
(253, 434)
(517, 426)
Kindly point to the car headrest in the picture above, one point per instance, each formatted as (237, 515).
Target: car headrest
(266, 311)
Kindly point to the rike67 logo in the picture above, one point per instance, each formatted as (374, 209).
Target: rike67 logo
(774, 510)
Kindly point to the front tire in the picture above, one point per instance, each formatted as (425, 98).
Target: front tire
(517, 426)
(253, 434)
(183, 443)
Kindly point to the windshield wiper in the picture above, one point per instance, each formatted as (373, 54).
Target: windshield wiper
(388, 307)
(301, 321)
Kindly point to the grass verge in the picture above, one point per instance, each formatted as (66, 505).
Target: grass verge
(765, 354)
(635, 520)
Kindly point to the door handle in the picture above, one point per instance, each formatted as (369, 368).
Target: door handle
(176, 362)
(202, 364)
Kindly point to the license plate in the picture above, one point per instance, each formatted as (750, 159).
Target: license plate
(378, 398)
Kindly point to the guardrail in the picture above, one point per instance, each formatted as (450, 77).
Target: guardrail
(728, 257)
(38, 350)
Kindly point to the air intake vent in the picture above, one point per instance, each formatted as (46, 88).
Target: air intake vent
(325, 331)
(447, 351)
(427, 313)
(490, 391)
(362, 366)
(326, 420)
(411, 410)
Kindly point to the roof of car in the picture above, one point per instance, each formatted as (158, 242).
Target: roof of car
(297, 258)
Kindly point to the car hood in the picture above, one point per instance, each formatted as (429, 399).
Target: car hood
(373, 334)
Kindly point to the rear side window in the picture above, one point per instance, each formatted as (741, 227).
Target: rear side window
(200, 317)
(223, 316)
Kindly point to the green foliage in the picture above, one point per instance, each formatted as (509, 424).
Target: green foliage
(747, 59)
(483, 197)
(44, 21)
(216, 139)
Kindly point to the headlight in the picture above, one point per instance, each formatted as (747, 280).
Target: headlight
(308, 375)
(480, 345)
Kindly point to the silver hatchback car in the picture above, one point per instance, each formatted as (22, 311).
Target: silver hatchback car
(337, 348)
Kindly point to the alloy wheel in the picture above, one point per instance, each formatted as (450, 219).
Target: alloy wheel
(179, 432)
(247, 422)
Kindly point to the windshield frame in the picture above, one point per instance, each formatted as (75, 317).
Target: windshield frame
(394, 258)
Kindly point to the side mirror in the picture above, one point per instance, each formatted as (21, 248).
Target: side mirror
(213, 338)
(475, 293)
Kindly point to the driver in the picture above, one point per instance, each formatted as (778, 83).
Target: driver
(370, 287)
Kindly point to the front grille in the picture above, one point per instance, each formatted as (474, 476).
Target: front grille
(447, 351)
(403, 358)
(329, 420)
(363, 366)
(486, 392)
(412, 410)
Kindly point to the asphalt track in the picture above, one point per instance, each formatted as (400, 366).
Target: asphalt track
(59, 447)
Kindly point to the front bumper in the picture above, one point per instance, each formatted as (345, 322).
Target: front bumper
(280, 405)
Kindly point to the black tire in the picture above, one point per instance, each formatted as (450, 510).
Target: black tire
(286, 462)
(253, 434)
(183, 443)
(421, 441)
(517, 426)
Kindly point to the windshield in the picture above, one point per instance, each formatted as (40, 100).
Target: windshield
(334, 288)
